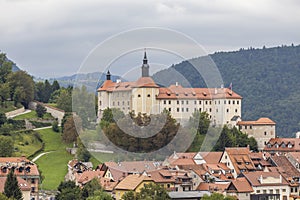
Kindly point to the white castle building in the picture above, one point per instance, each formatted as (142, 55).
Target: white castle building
(145, 96)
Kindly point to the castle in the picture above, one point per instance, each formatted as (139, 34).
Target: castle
(145, 96)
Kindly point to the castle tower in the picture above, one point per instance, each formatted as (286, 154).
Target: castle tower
(145, 66)
(108, 76)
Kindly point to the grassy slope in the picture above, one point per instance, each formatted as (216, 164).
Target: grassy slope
(32, 115)
(53, 165)
(27, 144)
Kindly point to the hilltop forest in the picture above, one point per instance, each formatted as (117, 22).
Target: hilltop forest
(267, 79)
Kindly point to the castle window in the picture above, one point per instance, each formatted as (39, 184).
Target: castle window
(187, 109)
(187, 102)
(165, 102)
(182, 102)
(177, 102)
(182, 109)
(206, 102)
(169, 102)
(250, 126)
(177, 109)
(118, 103)
(228, 101)
(237, 102)
(219, 102)
(200, 109)
(233, 102)
(209, 102)
(169, 109)
(195, 102)
(265, 133)
(148, 95)
(139, 95)
(100, 103)
(245, 127)
(216, 110)
(215, 102)
(227, 110)
(224, 101)
(210, 110)
(236, 110)
(199, 102)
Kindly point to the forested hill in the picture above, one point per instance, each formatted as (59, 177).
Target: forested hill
(268, 79)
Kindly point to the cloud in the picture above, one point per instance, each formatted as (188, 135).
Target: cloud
(51, 38)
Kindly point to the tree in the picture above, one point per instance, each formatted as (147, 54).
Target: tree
(82, 153)
(4, 92)
(21, 87)
(150, 191)
(11, 187)
(200, 121)
(55, 127)
(6, 146)
(6, 129)
(68, 190)
(129, 196)
(64, 100)
(100, 195)
(40, 110)
(3, 197)
(70, 130)
(3, 118)
(90, 188)
(5, 68)
(47, 91)
(55, 86)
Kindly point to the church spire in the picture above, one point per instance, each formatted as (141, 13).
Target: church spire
(108, 76)
(145, 66)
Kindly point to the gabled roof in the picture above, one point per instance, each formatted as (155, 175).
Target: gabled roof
(131, 182)
(284, 163)
(87, 176)
(215, 187)
(254, 178)
(162, 176)
(239, 157)
(260, 121)
(211, 157)
(294, 142)
(240, 185)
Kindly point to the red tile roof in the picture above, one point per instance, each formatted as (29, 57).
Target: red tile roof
(254, 178)
(215, 187)
(24, 186)
(294, 142)
(260, 121)
(211, 157)
(87, 176)
(240, 185)
(131, 182)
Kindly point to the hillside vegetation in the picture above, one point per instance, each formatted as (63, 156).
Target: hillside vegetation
(267, 79)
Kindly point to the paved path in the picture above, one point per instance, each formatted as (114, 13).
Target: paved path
(40, 155)
(26, 111)
(36, 129)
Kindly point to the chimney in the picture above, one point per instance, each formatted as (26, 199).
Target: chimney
(176, 84)
(216, 91)
(118, 80)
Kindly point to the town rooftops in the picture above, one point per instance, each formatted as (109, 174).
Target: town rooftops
(283, 144)
(87, 176)
(260, 121)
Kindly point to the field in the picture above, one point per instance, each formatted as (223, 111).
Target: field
(53, 165)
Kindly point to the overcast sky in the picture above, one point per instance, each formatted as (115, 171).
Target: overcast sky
(51, 38)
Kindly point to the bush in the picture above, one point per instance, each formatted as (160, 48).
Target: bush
(40, 110)
(55, 127)
(40, 124)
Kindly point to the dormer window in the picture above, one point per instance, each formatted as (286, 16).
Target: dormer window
(290, 145)
(269, 145)
(283, 145)
(276, 145)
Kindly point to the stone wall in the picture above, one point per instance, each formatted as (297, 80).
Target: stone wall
(55, 112)
(14, 112)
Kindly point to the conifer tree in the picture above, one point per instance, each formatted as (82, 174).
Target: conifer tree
(11, 187)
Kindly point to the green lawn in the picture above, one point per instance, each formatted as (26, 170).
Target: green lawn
(9, 106)
(32, 115)
(53, 165)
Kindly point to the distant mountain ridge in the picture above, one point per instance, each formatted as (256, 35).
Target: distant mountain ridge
(267, 79)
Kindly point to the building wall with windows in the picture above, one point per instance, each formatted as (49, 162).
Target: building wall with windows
(262, 130)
